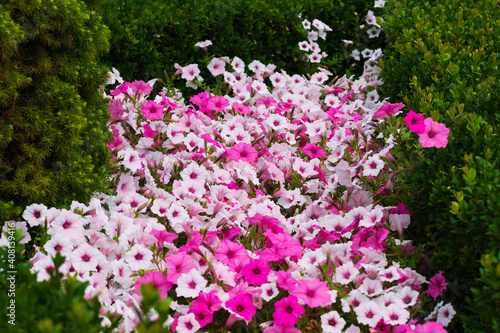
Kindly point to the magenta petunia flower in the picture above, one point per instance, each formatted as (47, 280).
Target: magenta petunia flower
(242, 305)
(228, 251)
(152, 110)
(148, 131)
(158, 281)
(313, 293)
(434, 135)
(256, 272)
(313, 151)
(202, 314)
(121, 89)
(415, 122)
(287, 311)
(437, 285)
(243, 152)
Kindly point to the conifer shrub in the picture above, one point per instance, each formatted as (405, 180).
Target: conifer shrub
(53, 123)
(442, 61)
(150, 36)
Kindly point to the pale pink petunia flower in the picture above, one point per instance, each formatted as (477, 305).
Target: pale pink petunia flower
(369, 313)
(332, 322)
(35, 214)
(139, 257)
(395, 315)
(190, 284)
(217, 66)
(190, 72)
(187, 324)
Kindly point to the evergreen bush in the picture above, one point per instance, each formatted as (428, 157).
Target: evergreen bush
(442, 61)
(53, 118)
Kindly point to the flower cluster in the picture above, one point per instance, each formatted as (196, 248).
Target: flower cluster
(430, 132)
(255, 204)
(310, 45)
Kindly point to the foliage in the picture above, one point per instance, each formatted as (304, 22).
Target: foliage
(442, 61)
(150, 36)
(53, 118)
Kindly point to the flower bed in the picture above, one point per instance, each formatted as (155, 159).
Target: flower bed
(256, 210)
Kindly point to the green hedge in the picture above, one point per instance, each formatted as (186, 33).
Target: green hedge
(442, 61)
(149, 36)
(53, 118)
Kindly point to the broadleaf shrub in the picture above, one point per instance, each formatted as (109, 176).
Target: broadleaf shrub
(442, 61)
(53, 132)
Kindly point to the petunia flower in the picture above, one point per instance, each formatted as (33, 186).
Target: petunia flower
(242, 306)
(242, 152)
(152, 110)
(437, 285)
(313, 293)
(287, 311)
(415, 122)
(332, 322)
(158, 281)
(434, 135)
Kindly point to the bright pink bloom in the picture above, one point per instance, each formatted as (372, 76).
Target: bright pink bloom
(163, 236)
(287, 311)
(152, 110)
(242, 305)
(148, 131)
(243, 152)
(202, 314)
(415, 122)
(436, 285)
(387, 110)
(434, 135)
(178, 264)
(313, 151)
(429, 327)
(116, 109)
(313, 293)
(140, 88)
(211, 300)
(121, 89)
(228, 251)
(217, 103)
(285, 280)
(241, 108)
(159, 281)
(256, 272)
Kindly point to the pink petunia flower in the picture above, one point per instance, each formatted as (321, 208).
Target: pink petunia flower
(387, 110)
(202, 313)
(287, 311)
(178, 264)
(140, 88)
(437, 285)
(313, 293)
(313, 151)
(434, 135)
(256, 272)
(152, 110)
(217, 103)
(415, 122)
(158, 281)
(243, 152)
(242, 306)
